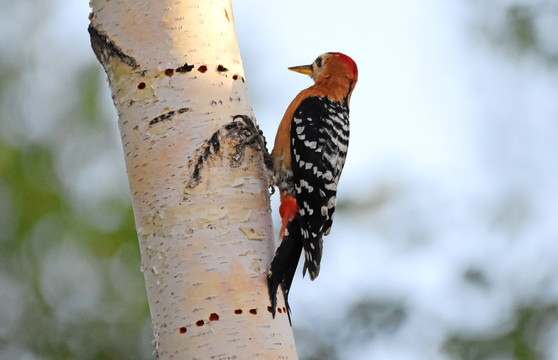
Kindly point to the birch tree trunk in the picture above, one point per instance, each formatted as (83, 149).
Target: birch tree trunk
(197, 179)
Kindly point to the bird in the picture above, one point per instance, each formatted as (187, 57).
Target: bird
(306, 162)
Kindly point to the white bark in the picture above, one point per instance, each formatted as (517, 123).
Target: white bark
(198, 184)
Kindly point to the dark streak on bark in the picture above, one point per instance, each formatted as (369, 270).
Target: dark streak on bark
(168, 115)
(104, 48)
(212, 142)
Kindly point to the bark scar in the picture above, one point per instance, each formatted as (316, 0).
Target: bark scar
(241, 134)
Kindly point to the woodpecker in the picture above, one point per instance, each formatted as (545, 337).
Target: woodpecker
(306, 161)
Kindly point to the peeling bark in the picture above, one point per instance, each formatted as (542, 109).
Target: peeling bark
(197, 176)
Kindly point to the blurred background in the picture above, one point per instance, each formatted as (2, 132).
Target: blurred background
(445, 242)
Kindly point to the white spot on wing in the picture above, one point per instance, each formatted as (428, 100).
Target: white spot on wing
(311, 144)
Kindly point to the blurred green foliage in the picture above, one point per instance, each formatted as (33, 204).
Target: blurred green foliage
(518, 343)
(523, 28)
(70, 286)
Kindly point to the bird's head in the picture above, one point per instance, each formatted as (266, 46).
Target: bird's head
(328, 65)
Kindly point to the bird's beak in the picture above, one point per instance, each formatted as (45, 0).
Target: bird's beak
(303, 69)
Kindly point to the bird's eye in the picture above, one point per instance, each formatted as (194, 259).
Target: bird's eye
(319, 62)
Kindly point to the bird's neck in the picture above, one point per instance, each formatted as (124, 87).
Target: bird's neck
(337, 88)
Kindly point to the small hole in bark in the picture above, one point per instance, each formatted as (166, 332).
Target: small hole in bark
(169, 72)
(182, 330)
(279, 311)
(199, 323)
(213, 317)
(141, 86)
(238, 311)
(184, 68)
(270, 309)
(202, 69)
(235, 77)
(253, 311)
(221, 68)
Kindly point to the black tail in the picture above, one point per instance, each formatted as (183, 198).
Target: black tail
(312, 255)
(283, 266)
